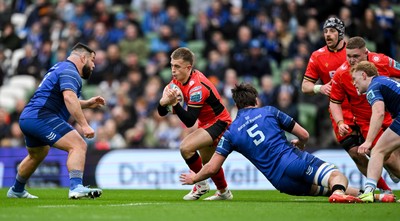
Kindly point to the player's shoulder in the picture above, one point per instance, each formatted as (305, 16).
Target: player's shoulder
(377, 57)
(343, 68)
(320, 52)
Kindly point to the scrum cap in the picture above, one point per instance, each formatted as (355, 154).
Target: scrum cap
(337, 24)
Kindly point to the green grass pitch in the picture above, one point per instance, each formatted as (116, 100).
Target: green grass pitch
(167, 205)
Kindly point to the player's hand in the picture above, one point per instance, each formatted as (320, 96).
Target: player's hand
(326, 89)
(365, 148)
(96, 102)
(298, 144)
(169, 97)
(344, 129)
(187, 178)
(88, 131)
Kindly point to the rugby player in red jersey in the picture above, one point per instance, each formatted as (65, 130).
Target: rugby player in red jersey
(343, 89)
(204, 105)
(322, 66)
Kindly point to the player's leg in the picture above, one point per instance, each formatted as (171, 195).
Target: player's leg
(387, 143)
(37, 151)
(188, 148)
(25, 170)
(73, 143)
(191, 144)
(392, 165)
(350, 144)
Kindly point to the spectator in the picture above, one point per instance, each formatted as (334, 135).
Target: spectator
(235, 20)
(215, 67)
(201, 28)
(133, 43)
(267, 89)
(116, 67)
(386, 18)
(176, 23)
(29, 64)
(15, 137)
(153, 18)
(8, 38)
(115, 139)
(117, 31)
(370, 30)
(255, 63)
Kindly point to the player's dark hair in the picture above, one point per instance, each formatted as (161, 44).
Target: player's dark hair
(183, 53)
(244, 95)
(80, 47)
(367, 67)
(356, 43)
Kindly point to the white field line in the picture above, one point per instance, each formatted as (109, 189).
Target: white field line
(120, 204)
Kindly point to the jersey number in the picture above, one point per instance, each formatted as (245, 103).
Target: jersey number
(253, 133)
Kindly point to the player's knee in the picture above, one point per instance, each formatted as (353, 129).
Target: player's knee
(38, 153)
(325, 173)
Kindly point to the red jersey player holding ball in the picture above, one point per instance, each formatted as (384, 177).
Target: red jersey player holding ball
(322, 66)
(205, 106)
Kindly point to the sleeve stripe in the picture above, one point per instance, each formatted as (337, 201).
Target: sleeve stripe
(310, 79)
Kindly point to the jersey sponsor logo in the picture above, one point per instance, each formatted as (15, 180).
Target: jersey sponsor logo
(370, 95)
(197, 88)
(376, 58)
(196, 96)
(51, 136)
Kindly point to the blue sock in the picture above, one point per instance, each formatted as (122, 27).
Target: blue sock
(19, 184)
(75, 178)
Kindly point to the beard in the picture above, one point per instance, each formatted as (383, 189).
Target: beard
(86, 72)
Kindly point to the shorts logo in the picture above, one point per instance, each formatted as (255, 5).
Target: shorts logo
(309, 170)
(51, 136)
(196, 96)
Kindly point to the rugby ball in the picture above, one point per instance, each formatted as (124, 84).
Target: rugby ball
(180, 97)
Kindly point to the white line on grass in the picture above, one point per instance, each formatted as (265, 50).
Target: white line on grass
(122, 204)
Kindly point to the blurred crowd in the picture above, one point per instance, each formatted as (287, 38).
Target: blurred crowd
(264, 42)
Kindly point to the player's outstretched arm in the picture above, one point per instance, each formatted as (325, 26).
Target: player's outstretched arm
(209, 169)
(93, 102)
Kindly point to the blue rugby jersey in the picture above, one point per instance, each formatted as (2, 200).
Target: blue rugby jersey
(48, 100)
(259, 135)
(387, 90)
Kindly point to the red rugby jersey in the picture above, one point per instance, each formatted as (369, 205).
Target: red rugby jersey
(198, 91)
(343, 88)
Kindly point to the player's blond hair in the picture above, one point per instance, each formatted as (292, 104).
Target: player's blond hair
(367, 67)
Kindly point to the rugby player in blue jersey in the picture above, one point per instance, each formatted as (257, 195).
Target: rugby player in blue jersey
(383, 93)
(44, 122)
(258, 133)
